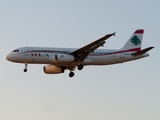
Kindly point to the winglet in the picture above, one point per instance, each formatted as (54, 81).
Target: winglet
(142, 51)
(114, 33)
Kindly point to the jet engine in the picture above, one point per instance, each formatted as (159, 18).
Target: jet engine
(62, 58)
(50, 69)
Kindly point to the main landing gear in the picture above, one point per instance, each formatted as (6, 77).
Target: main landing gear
(71, 74)
(80, 67)
(25, 69)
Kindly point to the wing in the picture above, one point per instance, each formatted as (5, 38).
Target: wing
(82, 53)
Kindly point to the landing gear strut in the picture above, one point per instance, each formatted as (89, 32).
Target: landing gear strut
(71, 74)
(80, 67)
(25, 69)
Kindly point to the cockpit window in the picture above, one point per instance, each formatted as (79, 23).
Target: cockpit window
(15, 51)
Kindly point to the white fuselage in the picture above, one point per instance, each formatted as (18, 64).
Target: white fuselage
(61, 59)
(43, 55)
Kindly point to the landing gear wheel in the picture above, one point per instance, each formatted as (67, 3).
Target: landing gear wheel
(25, 70)
(71, 74)
(80, 67)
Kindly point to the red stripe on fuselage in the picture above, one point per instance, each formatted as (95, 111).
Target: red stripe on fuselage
(130, 50)
(92, 54)
(117, 52)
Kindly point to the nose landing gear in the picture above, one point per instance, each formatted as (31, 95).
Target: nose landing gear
(25, 69)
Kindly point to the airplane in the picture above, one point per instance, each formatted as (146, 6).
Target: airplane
(61, 59)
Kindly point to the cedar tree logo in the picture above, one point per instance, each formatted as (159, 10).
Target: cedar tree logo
(135, 40)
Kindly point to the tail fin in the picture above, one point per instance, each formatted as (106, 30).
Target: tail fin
(135, 41)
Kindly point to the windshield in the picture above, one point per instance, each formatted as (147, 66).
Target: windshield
(15, 50)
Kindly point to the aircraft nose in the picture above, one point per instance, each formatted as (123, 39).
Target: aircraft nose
(8, 57)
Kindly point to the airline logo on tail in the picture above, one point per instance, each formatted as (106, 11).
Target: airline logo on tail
(135, 40)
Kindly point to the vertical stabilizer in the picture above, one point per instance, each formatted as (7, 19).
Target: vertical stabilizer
(135, 41)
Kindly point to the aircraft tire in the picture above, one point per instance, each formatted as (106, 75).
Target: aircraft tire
(25, 70)
(71, 74)
(80, 67)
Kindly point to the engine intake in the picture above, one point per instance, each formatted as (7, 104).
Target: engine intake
(50, 69)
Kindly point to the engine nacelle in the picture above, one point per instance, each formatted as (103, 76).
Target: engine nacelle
(50, 69)
(62, 58)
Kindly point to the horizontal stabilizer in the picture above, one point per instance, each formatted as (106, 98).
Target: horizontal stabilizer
(141, 52)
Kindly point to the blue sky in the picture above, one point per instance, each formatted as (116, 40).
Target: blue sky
(117, 92)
